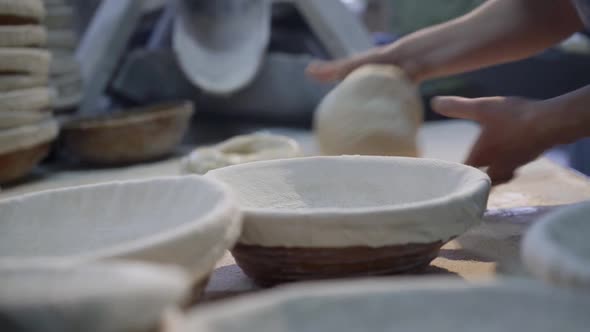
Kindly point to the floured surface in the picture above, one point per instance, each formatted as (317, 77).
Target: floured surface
(383, 305)
(103, 297)
(220, 44)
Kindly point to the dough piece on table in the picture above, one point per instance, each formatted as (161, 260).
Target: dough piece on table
(24, 60)
(239, 150)
(19, 82)
(22, 36)
(21, 11)
(35, 99)
(376, 110)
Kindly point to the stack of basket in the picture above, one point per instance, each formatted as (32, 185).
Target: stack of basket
(62, 42)
(27, 126)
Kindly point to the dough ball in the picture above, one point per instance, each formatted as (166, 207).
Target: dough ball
(241, 149)
(376, 110)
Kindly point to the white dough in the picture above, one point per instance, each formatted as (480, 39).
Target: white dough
(418, 305)
(376, 110)
(355, 200)
(59, 296)
(557, 248)
(187, 221)
(241, 149)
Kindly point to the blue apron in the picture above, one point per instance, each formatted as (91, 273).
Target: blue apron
(583, 7)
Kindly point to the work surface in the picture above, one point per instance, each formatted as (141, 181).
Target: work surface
(483, 252)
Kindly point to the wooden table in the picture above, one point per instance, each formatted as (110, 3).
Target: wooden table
(483, 252)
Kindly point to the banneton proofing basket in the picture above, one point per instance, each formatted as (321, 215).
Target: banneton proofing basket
(186, 221)
(440, 305)
(330, 217)
(57, 295)
(23, 147)
(128, 136)
(556, 248)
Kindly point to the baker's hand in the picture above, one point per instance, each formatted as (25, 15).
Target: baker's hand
(328, 71)
(511, 134)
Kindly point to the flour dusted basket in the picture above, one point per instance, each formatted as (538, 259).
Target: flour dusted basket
(330, 217)
(185, 221)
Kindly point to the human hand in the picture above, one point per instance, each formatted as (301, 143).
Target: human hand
(512, 134)
(329, 71)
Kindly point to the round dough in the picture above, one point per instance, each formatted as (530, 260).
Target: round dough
(35, 99)
(556, 249)
(239, 150)
(19, 82)
(22, 36)
(376, 110)
(24, 60)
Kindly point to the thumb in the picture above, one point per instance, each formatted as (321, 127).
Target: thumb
(466, 108)
(326, 71)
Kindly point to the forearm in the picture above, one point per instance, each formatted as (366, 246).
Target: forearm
(498, 31)
(564, 119)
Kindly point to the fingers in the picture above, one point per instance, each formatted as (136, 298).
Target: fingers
(485, 155)
(465, 108)
(500, 174)
(339, 69)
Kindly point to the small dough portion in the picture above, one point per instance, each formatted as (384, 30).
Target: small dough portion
(376, 110)
(241, 149)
